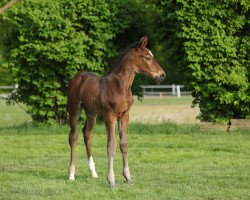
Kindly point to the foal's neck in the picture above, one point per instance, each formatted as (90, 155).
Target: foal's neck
(125, 73)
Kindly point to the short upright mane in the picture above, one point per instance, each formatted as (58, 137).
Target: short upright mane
(117, 60)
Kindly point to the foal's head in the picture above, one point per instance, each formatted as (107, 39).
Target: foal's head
(146, 63)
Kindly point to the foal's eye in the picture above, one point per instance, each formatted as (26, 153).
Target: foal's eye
(147, 58)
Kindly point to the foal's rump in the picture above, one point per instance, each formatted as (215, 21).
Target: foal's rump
(83, 89)
(73, 91)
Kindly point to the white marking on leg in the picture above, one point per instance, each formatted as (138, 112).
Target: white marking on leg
(92, 167)
(111, 175)
(72, 173)
(71, 177)
(126, 173)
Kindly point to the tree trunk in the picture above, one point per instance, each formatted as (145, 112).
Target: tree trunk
(7, 6)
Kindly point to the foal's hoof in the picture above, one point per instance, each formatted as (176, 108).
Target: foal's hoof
(71, 177)
(93, 174)
(128, 178)
(111, 183)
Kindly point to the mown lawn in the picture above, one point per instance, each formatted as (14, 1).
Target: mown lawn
(11, 115)
(167, 161)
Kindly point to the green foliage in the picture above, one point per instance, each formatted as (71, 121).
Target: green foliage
(5, 80)
(213, 40)
(168, 46)
(52, 40)
(5, 32)
(46, 42)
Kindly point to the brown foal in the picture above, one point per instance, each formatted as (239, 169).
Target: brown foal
(111, 97)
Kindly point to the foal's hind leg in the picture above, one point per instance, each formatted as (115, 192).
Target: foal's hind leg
(122, 126)
(110, 126)
(88, 134)
(73, 118)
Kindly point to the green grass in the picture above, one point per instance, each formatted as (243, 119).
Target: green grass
(167, 161)
(12, 115)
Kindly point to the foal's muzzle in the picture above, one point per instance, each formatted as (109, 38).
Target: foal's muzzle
(160, 77)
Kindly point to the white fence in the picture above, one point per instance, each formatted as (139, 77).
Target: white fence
(165, 90)
(8, 88)
(148, 90)
(13, 87)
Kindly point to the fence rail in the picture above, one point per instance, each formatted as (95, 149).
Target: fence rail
(7, 87)
(164, 90)
(148, 90)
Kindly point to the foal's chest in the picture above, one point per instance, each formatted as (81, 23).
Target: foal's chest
(116, 97)
(118, 103)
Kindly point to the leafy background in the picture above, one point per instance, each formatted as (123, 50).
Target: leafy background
(204, 44)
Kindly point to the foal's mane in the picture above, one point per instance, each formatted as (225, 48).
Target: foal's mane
(118, 59)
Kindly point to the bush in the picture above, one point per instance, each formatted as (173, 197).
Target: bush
(53, 40)
(212, 40)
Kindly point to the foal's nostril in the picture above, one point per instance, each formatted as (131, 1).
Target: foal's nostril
(160, 77)
(163, 75)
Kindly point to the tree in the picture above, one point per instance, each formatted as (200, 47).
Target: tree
(7, 6)
(212, 39)
(52, 40)
(5, 78)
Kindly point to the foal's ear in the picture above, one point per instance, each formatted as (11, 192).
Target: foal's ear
(143, 42)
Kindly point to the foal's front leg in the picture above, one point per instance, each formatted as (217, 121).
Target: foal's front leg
(122, 126)
(111, 146)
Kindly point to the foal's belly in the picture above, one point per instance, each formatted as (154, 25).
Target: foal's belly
(91, 104)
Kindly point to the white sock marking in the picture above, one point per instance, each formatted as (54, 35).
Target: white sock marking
(72, 173)
(71, 177)
(92, 167)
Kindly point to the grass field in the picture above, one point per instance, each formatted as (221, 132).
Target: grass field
(167, 161)
(12, 115)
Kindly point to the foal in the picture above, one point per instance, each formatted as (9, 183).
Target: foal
(111, 97)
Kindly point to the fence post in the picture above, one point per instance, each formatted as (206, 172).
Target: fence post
(173, 90)
(178, 91)
(144, 90)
